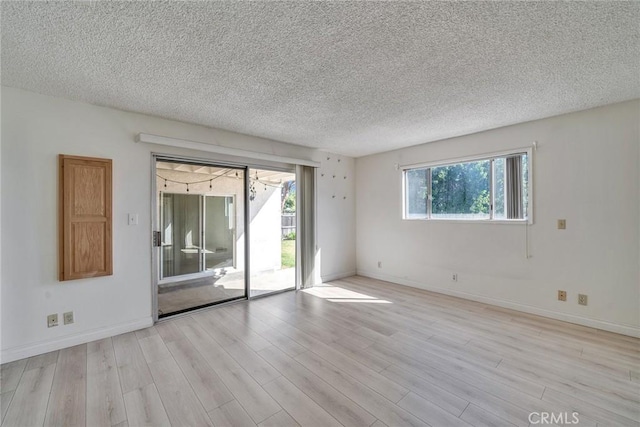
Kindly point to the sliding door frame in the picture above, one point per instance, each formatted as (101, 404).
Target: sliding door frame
(297, 283)
(240, 165)
(155, 226)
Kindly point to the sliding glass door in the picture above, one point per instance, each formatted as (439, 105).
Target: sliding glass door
(201, 216)
(181, 234)
(272, 208)
(219, 232)
(223, 233)
(198, 233)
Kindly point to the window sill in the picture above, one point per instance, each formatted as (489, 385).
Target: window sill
(475, 221)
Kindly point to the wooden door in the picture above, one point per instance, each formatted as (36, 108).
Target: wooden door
(85, 217)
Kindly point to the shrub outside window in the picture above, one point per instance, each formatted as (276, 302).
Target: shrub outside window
(486, 189)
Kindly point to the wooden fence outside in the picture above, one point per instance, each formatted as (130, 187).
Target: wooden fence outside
(288, 224)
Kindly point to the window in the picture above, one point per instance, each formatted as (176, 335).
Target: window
(494, 188)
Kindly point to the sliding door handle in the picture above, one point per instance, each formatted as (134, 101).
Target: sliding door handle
(157, 238)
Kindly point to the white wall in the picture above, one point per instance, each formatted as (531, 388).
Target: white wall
(585, 170)
(35, 129)
(266, 234)
(336, 201)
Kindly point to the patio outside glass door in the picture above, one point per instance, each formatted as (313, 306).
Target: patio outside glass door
(198, 233)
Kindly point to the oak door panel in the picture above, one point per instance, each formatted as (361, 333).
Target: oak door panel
(85, 217)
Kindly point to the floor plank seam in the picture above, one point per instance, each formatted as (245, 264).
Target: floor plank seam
(117, 371)
(55, 370)
(465, 408)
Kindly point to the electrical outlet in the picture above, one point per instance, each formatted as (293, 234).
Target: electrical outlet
(454, 277)
(562, 224)
(52, 320)
(379, 264)
(562, 295)
(582, 299)
(68, 317)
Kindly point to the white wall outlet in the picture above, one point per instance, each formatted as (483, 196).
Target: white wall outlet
(379, 264)
(52, 320)
(454, 277)
(562, 295)
(582, 299)
(133, 219)
(68, 317)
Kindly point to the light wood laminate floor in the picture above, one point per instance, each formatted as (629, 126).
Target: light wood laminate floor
(354, 352)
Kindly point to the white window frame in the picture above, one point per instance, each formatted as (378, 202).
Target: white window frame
(487, 156)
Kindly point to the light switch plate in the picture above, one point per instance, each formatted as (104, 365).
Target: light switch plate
(562, 224)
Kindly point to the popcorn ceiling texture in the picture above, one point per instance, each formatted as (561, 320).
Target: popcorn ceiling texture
(350, 77)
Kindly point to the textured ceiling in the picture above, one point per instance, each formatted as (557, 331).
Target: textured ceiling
(349, 77)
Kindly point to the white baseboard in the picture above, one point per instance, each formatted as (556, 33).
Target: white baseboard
(20, 352)
(629, 330)
(336, 276)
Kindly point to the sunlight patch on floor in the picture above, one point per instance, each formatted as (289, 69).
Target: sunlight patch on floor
(338, 294)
